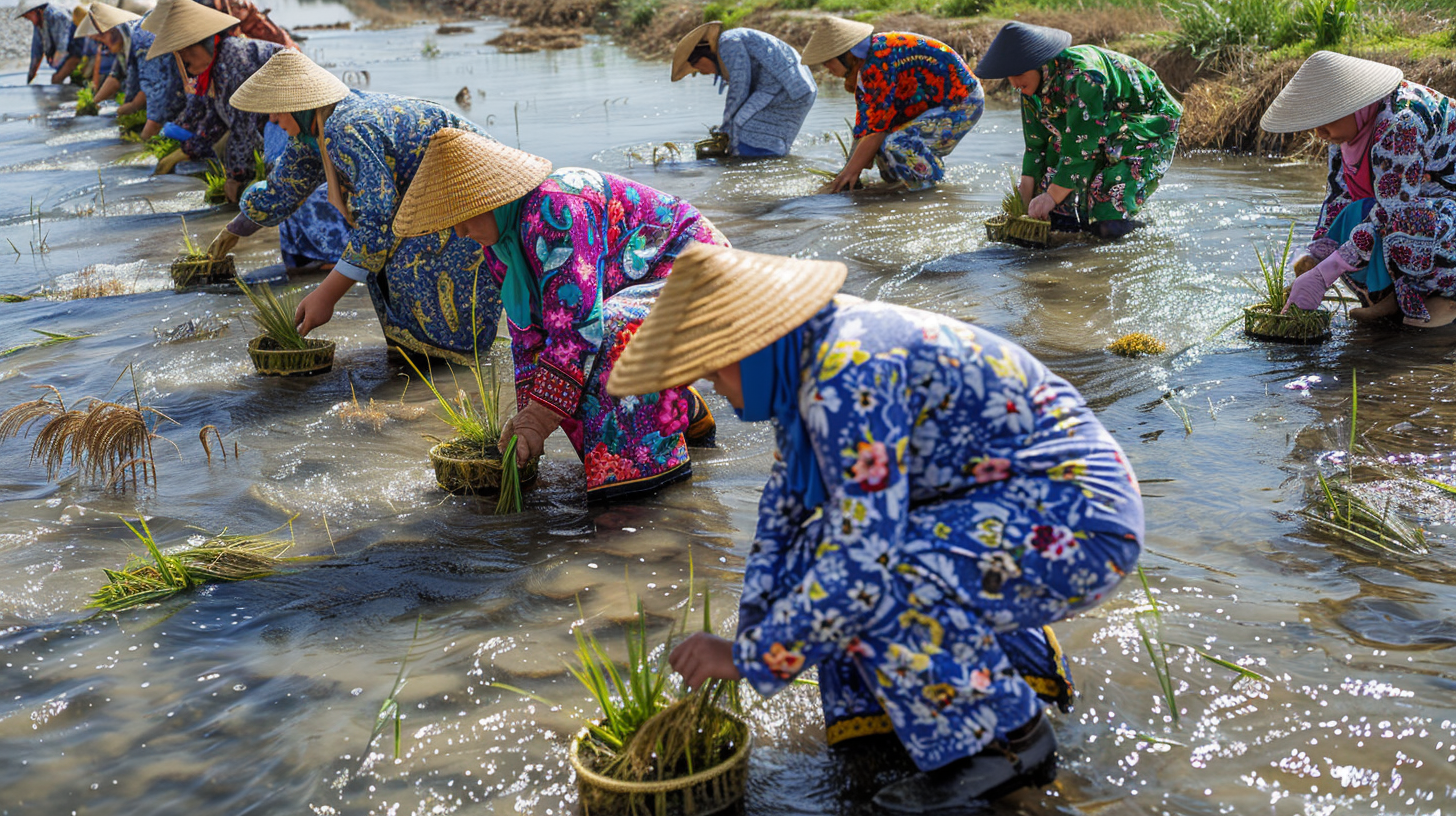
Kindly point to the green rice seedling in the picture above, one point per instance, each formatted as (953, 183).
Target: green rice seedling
(274, 315)
(1181, 411)
(191, 250)
(86, 104)
(627, 698)
(478, 427)
(510, 501)
(1013, 225)
(389, 713)
(1267, 318)
(159, 146)
(47, 338)
(430, 50)
(1157, 655)
(216, 179)
(131, 125)
(10, 298)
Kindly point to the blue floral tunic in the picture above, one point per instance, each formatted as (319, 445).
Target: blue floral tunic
(595, 244)
(209, 116)
(1413, 172)
(52, 40)
(971, 495)
(769, 92)
(157, 78)
(422, 288)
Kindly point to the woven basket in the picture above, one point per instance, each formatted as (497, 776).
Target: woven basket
(1261, 323)
(713, 147)
(474, 475)
(1020, 231)
(206, 270)
(272, 361)
(711, 791)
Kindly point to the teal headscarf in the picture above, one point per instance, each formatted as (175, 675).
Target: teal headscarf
(516, 289)
(304, 119)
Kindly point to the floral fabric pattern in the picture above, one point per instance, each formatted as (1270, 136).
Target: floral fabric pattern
(915, 154)
(591, 241)
(1103, 125)
(316, 231)
(423, 288)
(52, 40)
(157, 78)
(1413, 169)
(905, 75)
(971, 492)
(209, 116)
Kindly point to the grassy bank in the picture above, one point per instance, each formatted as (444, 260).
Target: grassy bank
(1225, 59)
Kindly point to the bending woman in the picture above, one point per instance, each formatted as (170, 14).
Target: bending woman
(52, 41)
(579, 257)
(916, 100)
(1100, 128)
(367, 148)
(769, 92)
(936, 492)
(151, 84)
(1388, 224)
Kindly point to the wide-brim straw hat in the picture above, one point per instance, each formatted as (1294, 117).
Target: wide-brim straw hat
(1327, 87)
(185, 23)
(718, 306)
(85, 27)
(833, 37)
(104, 18)
(1021, 47)
(288, 82)
(707, 31)
(26, 6)
(464, 175)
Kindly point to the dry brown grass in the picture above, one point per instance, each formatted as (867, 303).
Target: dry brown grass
(90, 283)
(106, 441)
(544, 38)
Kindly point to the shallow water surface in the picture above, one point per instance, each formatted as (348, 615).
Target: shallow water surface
(265, 696)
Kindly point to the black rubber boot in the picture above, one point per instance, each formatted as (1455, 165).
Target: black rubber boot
(1113, 230)
(967, 785)
(702, 429)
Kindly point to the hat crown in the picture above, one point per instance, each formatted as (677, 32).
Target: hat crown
(180, 23)
(1326, 88)
(832, 37)
(462, 175)
(106, 17)
(287, 83)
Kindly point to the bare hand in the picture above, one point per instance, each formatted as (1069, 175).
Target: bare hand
(313, 311)
(531, 425)
(233, 189)
(1041, 207)
(222, 245)
(1304, 263)
(57, 78)
(169, 162)
(703, 657)
(842, 182)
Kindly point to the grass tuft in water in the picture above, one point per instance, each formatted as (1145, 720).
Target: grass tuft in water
(274, 315)
(1149, 622)
(47, 338)
(478, 427)
(1136, 344)
(389, 711)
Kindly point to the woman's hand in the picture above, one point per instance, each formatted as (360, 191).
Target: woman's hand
(531, 425)
(222, 245)
(233, 189)
(703, 657)
(842, 182)
(1041, 207)
(317, 308)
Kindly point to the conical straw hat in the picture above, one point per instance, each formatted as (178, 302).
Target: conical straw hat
(78, 14)
(163, 9)
(833, 37)
(718, 306)
(25, 6)
(186, 23)
(85, 27)
(105, 17)
(463, 175)
(287, 83)
(685, 46)
(1327, 87)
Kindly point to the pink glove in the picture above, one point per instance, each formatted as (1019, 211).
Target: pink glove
(1309, 289)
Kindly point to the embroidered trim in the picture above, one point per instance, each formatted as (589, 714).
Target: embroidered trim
(865, 725)
(556, 388)
(646, 484)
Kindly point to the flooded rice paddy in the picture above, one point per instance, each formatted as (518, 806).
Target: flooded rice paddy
(264, 696)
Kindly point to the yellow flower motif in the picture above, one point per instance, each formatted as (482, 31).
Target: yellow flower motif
(816, 592)
(988, 532)
(942, 694)
(942, 530)
(446, 289)
(900, 453)
(932, 626)
(840, 357)
(1007, 367)
(826, 547)
(1068, 471)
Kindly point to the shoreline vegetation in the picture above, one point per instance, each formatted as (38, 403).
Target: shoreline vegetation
(1225, 60)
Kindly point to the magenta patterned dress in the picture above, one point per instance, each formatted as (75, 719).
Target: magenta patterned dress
(599, 247)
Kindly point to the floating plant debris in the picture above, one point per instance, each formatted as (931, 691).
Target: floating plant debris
(1137, 344)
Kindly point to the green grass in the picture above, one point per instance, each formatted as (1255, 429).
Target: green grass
(47, 338)
(475, 421)
(274, 315)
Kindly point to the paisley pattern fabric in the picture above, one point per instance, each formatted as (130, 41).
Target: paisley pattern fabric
(905, 75)
(52, 40)
(1103, 125)
(423, 288)
(915, 154)
(971, 493)
(316, 232)
(1413, 169)
(592, 240)
(157, 78)
(209, 116)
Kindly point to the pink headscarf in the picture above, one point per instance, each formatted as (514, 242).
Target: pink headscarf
(1355, 154)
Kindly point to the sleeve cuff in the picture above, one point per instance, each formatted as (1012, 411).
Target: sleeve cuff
(243, 226)
(556, 388)
(358, 274)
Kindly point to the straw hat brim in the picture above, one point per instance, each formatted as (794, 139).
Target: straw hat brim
(1327, 87)
(186, 23)
(834, 36)
(1021, 47)
(707, 31)
(463, 175)
(86, 28)
(27, 6)
(718, 306)
(287, 83)
(103, 17)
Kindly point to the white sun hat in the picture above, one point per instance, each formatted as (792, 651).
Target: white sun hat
(1327, 87)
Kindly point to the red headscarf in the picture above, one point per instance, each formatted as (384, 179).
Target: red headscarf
(1355, 154)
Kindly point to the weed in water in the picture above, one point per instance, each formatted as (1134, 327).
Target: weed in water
(1181, 411)
(430, 50)
(1136, 344)
(202, 437)
(47, 338)
(274, 315)
(389, 712)
(1149, 623)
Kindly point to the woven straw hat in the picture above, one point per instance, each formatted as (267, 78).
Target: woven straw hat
(26, 6)
(719, 306)
(159, 15)
(287, 83)
(185, 23)
(463, 175)
(685, 46)
(104, 18)
(1328, 86)
(85, 26)
(78, 14)
(1020, 47)
(833, 37)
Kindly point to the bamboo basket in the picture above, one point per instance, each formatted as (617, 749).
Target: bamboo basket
(1020, 231)
(1305, 328)
(474, 475)
(713, 147)
(187, 272)
(711, 791)
(272, 361)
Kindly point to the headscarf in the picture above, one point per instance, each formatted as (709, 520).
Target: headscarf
(202, 81)
(771, 391)
(305, 118)
(1355, 154)
(516, 288)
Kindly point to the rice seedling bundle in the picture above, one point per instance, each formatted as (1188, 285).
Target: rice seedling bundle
(280, 350)
(131, 125)
(1268, 318)
(160, 146)
(86, 104)
(195, 266)
(216, 178)
(715, 146)
(1013, 226)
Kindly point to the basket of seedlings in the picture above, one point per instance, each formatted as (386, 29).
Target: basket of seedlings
(713, 147)
(280, 351)
(1268, 319)
(471, 462)
(194, 266)
(1013, 226)
(653, 751)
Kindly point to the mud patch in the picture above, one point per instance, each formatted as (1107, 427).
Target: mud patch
(546, 38)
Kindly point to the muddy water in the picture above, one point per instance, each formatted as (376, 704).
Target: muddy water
(263, 697)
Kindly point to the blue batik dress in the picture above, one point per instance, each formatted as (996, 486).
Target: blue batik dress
(316, 232)
(971, 495)
(209, 116)
(157, 78)
(52, 41)
(423, 288)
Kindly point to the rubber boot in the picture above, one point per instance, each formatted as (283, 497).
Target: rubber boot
(1113, 230)
(1005, 766)
(702, 430)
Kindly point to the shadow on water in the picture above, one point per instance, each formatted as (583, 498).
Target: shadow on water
(263, 696)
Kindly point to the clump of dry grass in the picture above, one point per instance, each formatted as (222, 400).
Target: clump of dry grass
(1137, 344)
(375, 414)
(90, 283)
